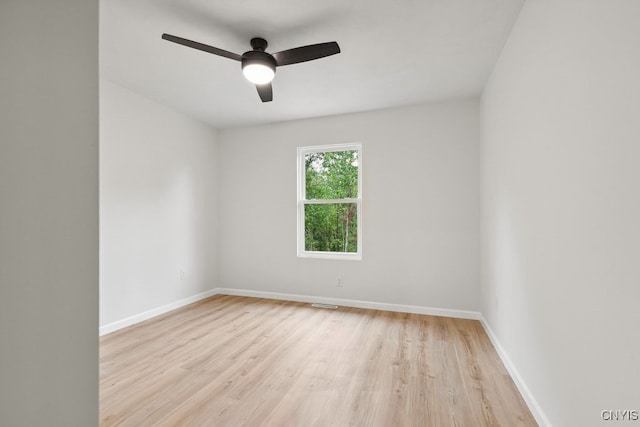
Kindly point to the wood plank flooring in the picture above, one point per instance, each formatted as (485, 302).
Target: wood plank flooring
(237, 361)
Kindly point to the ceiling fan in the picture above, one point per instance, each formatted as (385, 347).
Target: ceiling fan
(258, 66)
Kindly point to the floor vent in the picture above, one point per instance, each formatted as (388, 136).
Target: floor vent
(331, 306)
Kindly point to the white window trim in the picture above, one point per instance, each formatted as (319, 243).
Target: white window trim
(302, 151)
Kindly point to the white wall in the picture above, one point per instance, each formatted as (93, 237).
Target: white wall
(49, 213)
(561, 203)
(420, 207)
(158, 210)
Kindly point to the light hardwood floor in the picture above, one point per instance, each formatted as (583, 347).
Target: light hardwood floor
(237, 361)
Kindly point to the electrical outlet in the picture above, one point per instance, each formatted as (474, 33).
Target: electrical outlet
(182, 275)
(340, 283)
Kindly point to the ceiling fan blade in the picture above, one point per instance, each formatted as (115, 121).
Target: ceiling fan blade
(203, 47)
(306, 53)
(266, 92)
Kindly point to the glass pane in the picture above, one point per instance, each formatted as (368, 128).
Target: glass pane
(331, 227)
(331, 175)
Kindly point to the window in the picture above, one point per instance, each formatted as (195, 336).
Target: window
(329, 201)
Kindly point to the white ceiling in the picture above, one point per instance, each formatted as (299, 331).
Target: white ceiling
(394, 53)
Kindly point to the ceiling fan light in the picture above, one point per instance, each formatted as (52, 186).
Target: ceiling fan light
(258, 73)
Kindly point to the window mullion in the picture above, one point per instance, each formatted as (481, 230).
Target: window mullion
(329, 201)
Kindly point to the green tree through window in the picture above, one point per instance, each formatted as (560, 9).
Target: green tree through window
(330, 203)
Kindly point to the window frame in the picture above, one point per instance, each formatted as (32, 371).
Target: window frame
(302, 202)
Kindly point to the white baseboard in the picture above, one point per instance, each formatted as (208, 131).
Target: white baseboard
(528, 397)
(461, 314)
(132, 320)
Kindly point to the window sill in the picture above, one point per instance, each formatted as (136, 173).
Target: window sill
(331, 255)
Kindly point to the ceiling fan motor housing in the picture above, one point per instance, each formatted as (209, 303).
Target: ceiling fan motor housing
(258, 66)
(258, 57)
